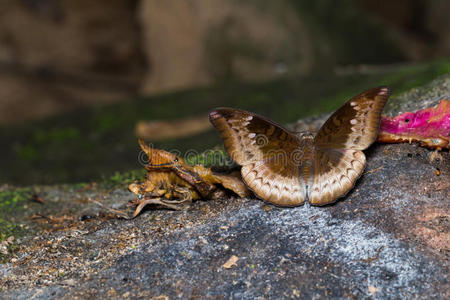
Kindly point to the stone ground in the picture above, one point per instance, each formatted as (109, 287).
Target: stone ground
(388, 238)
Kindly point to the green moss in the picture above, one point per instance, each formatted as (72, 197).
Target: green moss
(56, 135)
(41, 139)
(27, 152)
(12, 199)
(123, 179)
(11, 202)
(217, 157)
(443, 67)
(106, 122)
(80, 185)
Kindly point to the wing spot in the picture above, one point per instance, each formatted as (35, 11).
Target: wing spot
(353, 121)
(271, 130)
(355, 164)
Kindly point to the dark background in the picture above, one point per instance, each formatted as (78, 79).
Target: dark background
(77, 77)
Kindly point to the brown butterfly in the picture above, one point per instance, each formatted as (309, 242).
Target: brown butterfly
(285, 167)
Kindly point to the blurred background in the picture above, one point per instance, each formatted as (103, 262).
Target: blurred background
(80, 80)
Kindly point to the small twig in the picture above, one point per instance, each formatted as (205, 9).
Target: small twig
(373, 171)
(115, 211)
(39, 216)
(159, 201)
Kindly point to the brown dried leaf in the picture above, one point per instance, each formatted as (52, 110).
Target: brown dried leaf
(232, 261)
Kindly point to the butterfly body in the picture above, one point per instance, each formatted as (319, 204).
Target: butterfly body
(307, 149)
(286, 168)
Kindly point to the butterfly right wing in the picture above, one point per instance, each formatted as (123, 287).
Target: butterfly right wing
(335, 173)
(355, 125)
(266, 151)
(338, 161)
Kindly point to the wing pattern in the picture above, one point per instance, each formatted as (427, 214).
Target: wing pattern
(335, 173)
(355, 125)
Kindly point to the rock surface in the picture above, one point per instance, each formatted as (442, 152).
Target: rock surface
(389, 237)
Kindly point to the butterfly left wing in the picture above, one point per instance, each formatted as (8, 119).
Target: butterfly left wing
(265, 150)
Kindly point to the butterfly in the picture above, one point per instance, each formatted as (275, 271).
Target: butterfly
(286, 168)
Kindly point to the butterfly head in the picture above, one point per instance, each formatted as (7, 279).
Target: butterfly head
(305, 135)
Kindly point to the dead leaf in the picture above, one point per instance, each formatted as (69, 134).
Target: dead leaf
(232, 261)
(373, 290)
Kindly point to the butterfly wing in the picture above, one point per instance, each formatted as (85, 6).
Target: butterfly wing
(265, 150)
(355, 125)
(335, 173)
(338, 161)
